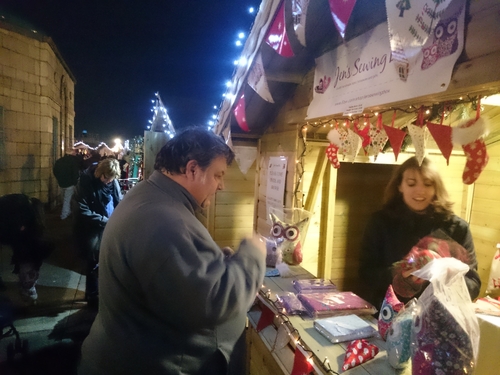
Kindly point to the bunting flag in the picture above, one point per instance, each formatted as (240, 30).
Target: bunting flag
(341, 12)
(299, 14)
(266, 318)
(301, 365)
(257, 80)
(240, 114)
(418, 136)
(396, 137)
(378, 138)
(282, 338)
(442, 136)
(277, 37)
(363, 133)
(245, 157)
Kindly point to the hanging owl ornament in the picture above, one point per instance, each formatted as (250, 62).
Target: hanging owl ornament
(288, 238)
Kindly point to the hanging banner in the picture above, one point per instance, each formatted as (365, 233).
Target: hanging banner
(361, 73)
(299, 14)
(277, 37)
(257, 79)
(240, 114)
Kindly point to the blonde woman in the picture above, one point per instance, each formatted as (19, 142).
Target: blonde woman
(96, 196)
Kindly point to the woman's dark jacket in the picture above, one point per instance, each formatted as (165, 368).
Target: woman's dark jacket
(390, 235)
(89, 203)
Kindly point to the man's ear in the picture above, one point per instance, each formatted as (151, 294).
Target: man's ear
(191, 168)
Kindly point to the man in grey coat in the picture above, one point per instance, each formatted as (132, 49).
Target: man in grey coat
(171, 301)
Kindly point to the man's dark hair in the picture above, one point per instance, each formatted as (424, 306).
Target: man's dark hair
(195, 143)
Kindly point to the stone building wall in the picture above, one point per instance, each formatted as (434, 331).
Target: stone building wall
(36, 112)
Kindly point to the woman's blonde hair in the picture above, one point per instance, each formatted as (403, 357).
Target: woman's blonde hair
(441, 203)
(109, 167)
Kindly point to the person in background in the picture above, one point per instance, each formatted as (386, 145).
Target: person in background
(96, 196)
(416, 204)
(66, 171)
(171, 301)
(22, 225)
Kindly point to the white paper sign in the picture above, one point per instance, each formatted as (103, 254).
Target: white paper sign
(276, 179)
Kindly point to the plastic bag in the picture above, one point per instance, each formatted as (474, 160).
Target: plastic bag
(494, 279)
(399, 336)
(434, 246)
(445, 331)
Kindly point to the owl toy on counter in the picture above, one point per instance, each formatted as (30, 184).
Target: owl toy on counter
(288, 237)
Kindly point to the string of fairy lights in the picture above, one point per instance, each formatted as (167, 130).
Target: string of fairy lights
(160, 112)
(293, 334)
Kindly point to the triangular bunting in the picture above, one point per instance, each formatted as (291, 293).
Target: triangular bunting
(341, 12)
(418, 138)
(301, 365)
(299, 14)
(363, 133)
(442, 137)
(266, 318)
(277, 37)
(257, 80)
(282, 338)
(396, 137)
(239, 113)
(244, 157)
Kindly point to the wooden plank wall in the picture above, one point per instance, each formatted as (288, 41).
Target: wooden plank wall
(232, 215)
(485, 217)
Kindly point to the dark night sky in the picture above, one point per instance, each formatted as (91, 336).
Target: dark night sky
(123, 51)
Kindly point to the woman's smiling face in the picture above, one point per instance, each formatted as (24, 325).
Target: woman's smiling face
(418, 192)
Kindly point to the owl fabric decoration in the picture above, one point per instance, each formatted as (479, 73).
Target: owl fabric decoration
(288, 238)
(358, 352)
(390, 308)
(445, 42)
(399, 337)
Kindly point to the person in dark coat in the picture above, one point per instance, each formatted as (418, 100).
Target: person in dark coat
(22, 224)
(66, 171)
(416, 205)
(96, 196)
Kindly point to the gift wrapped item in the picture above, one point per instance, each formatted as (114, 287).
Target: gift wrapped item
(314, 285)
(445, 331)
(322, 304)
(390, 308)
(344, 328)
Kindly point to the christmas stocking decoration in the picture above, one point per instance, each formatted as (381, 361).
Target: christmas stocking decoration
(333, 149)
(470, 136)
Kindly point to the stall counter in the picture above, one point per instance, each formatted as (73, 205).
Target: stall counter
(263, 358)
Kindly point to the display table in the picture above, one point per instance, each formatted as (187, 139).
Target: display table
(263, 360)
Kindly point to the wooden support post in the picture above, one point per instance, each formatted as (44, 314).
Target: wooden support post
(328, 195)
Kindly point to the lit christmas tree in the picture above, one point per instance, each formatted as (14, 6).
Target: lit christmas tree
(161, 121)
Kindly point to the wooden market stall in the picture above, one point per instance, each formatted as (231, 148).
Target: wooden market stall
(341, 200)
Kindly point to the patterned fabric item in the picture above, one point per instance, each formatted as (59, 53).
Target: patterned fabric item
(418, 136)
(441, 344)
(399, 337)
(378, 139)
(335, 303)
(314, 285)
(390, 308)
(358, 352)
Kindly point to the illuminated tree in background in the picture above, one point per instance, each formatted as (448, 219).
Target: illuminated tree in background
(161, 121)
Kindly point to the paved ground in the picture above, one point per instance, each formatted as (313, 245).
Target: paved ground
(53, 329)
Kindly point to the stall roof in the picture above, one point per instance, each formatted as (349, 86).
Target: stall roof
(285, 75)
